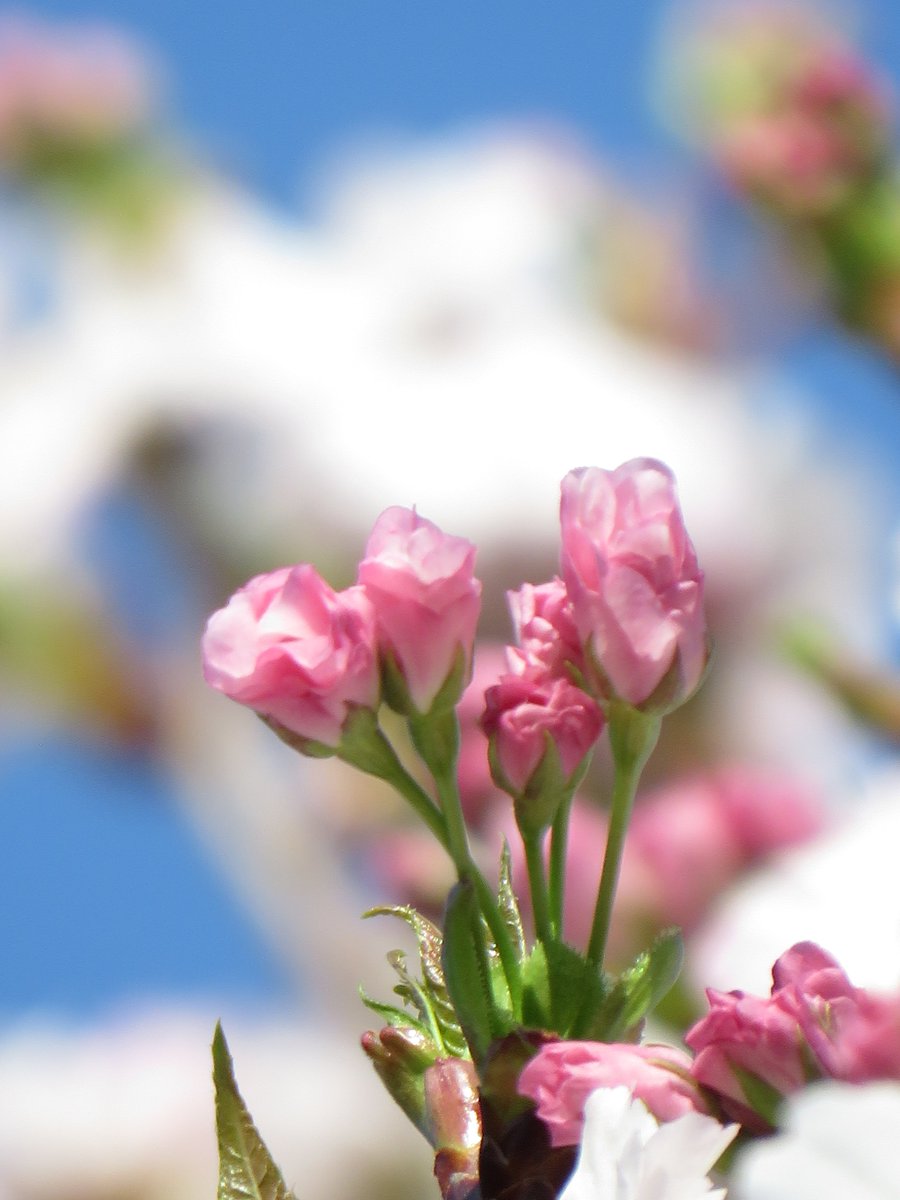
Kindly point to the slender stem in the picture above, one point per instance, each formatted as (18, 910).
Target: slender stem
(559, 836)
(438, 748)
(369, 750)
(458, 846)
(632, 737)
(537, 882)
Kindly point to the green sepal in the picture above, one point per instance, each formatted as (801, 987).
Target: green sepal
(509, 904)
(469, 963)
(399, 1018)
(538, 802)
(439, 1015)
(760, 1096)
(558, 983)
(395, 689)
(246, 1169)
(436, 739)
(638, 990)
(303, 745)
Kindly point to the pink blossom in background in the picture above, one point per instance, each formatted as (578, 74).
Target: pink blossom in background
(72, 84)
(766, 810)
(814, 1022)
(544, 623)
(854, 1034)
(632, 576)
(695, 836)
(412, 867)
(289, 647)
(747, 1033)
(521, 713)
(562, 1075)
(426, 599)
(477, 789)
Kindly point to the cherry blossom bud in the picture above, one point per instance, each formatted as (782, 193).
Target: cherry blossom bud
(562, 1075)
(541, 730)
(300, 654)
(635, 586)
(426, 599)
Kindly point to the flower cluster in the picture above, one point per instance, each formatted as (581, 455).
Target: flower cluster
(514, 1055)
(750, 1051)
(614, 642)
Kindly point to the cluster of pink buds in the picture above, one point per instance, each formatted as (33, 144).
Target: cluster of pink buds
(67, 88)
(493, 1043)
(793, 114)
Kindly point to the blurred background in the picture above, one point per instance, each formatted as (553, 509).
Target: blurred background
(267, 269)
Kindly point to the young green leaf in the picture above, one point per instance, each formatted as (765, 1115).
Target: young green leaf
(246, 1169)
(639, 989)
(509, 905)
(433, 988)
(467, 970)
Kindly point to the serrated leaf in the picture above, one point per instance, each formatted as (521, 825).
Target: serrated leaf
(246, 1169)
(398, 1017)
(574, 985)
(640, 988)
(467, 971)
(558, 986)
(433, 989)
(509, 905)
(536, 1000)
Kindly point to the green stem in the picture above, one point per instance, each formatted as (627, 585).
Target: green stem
(365, 747)
(537, 882)
(632, 737)
(559, 837)
(436, 739)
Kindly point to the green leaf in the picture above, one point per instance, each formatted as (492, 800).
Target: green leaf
(558, 983)
(467, 970)
(639, 989)
(509, 905)
(574, 984)
(536, 999)
(430, 997)
(400, 1018)
(764, 1099)
(246, 1169)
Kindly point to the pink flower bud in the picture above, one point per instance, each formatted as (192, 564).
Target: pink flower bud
(297, 652)
(814, 1022)
(636, 589)
(747, 1035)
(562, 1075)
(426, 599)
(546, 636)
(522, 712)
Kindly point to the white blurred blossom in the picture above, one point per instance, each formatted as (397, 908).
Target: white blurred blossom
(125, 1108)
(842, 891)
(838, 1142)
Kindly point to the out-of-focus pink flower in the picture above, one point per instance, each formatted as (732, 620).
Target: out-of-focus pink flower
(426, 599)
(815, 1022)
(546, 636)
(741, 1033)
(74, 85)
(477, 789)
(523, 715)
(636, 589)
(412, 866)
(562, 1075)
(297, 652)
(854, 1035)
(690, 839)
